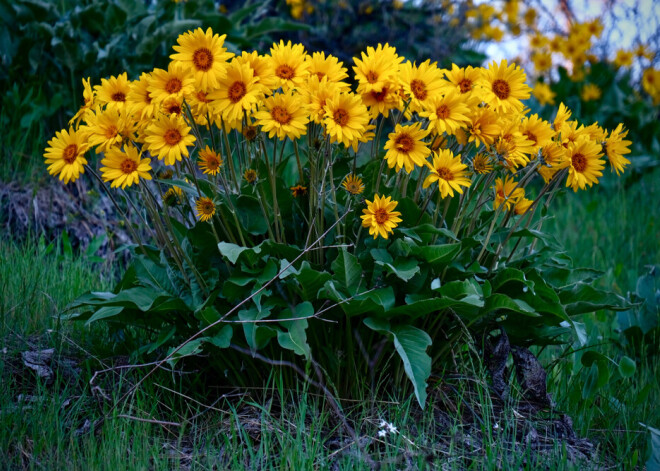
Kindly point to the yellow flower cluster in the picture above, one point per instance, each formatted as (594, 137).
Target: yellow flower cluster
(207, 91)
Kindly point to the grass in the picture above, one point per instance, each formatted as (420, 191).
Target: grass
(59, 425)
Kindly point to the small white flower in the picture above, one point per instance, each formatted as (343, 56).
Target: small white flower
(382, 433)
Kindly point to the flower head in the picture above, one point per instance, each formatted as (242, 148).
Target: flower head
(298, 190)
(345, 118)
(449, 172)
(283, 115)
(353, 184)
(380, 217)
(405, 147)
(209, 161)
(205, 208)
(507, 193)
(583, 158)
(124, 167)
(615, 147)
(237, 93)
(504, 86)
(169, 137)
(66, 155)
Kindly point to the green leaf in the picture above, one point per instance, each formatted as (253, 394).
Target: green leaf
(411, 344)
(231, 251)
(403, 268)
(164, 336)
(295, 338)
(104, 313)
(501, 301)
(223, 338)
(347, 271)
(256, 336)
(627, 367)
(311, 281)
(250, 215)
(437, 254)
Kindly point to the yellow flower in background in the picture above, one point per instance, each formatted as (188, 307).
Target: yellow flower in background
(449, 172)
(353, 184)
(615, 147)
(200, 105)
(530, 17)
(537, 41)
(624, 58)
(171, 83)
(513, 147)
(544, 94)
(298, 190)
(563, 115)
(590, 92)
(421, 83)
(287, 62)
(380, 217)
(173, 196)
(504, 86)
(250, 176)
(283, 115)
(642, 52)
(209, 161)
(66, 155)
(447, 113)
(139, 100)
(172, 106)
(202, 53)
(584, 162)
(88, 98)
(595, 28)
(651, 84)
(507, 193)
(113, 91)
(237, 93)
(346, 118)
(205, 208)
(556, 43)
(261, 70)
(315, 93)
(377, 68)
(405, 147)
(328, 67)
(481, 164)
(542, 61)
(169, 138)
(536, 130)
(571, 131)
(124, 168)
(382, 101)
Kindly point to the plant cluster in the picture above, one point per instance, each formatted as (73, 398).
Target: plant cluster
(284, 228)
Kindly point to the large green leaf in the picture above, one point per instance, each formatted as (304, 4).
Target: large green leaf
(437, 254)
(411, 344)
(347, 271)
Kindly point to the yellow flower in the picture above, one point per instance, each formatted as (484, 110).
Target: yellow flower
(329, 67)
(595, 28)
(237, 93)
(483, 127)
(346, 118)
(590, 92)
(171, 83)
(173, 196)
(209, 161)
(138, 99)
(377, 68)
(205, 208)
(481, 164)
(623, 58)
(544, 94)
(353, 184)
(204, 55)
(584, 163)
(651, 84)
(382, 101)
(504, 86)
(405, 147)
(536, 130)
(380, 216)
(447, 113)
(522, 206)
(250, 176)
(563, 115)
(113, 91)
(315, 93)
(107, 128)
(169, 137)
(542, 61)
(200, 106)
(552, 156)
(261, 70)
(513, 147)
(465, 80)
(421, 83)
(124, 168)
(537, 41)
(506, 193)
(283, 115)
(287, 63)
(641, 51)
(172, 106)
(615, 147)
(298, 190)
(449, 172)
(66, 155)
(89, 97)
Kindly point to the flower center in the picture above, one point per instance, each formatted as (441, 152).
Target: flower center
(201, 96)
(237, 91)
(381, 216)
(250, 133)
(379, 96)
(128, 166)
(532, 137)
(173, 85)
(442, 112)
(285, 72)
(208, 207)
(172, 137)
(212, 163)
(320, 75)
(404, 143)
(70, 153)
(341, 117)
(280, 115)
(372, 77)
(465, 85)
(419, 89)
(445, 173)
(203, 59)
(119, 96)
(501, 89)
(579, 162)
(111, 131)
